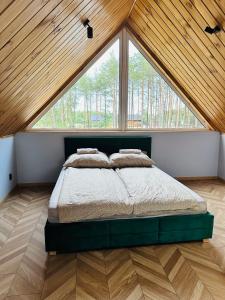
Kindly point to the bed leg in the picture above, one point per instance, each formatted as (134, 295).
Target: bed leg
(52, 253)
(205, 240)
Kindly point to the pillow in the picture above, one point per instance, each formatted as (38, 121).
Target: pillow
(87, 150)
(128, 151)
(118, 160)
(99, 160)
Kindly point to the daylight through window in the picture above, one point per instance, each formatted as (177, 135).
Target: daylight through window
(93, 102)
(151, 101)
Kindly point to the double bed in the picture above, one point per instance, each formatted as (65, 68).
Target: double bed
(98, 208)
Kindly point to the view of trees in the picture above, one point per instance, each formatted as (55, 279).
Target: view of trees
(93, 101)
(151, 101)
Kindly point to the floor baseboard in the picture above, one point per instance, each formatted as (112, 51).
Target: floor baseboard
(35, 184)
(196, 178)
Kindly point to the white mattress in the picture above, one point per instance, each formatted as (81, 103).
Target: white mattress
(151, 191)
(125, 193)
(88, 194)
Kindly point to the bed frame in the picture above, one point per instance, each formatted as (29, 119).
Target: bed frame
(116, 233)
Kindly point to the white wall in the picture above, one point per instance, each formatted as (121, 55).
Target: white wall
(40, 155)
(187, 154)
(221, 167)
(7, 165)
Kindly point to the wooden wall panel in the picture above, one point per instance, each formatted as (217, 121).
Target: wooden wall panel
(42, 44)
(174, 31)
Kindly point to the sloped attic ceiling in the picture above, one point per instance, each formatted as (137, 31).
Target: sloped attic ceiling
(174, 31)
(43, 45)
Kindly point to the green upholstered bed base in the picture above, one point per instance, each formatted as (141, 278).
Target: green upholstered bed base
(90, 235)
(106, 234)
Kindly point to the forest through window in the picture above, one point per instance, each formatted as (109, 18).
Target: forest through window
(152, 103)
(93, 102)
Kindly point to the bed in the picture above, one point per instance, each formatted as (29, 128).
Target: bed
(114, 224)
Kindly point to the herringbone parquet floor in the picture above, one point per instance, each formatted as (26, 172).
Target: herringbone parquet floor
(179, 271)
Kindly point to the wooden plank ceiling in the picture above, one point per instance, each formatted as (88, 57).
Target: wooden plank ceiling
(43, 45)
(174, 31)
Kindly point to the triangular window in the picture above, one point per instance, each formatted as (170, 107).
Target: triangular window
(152, 103)
(93, 101)
(107, 97)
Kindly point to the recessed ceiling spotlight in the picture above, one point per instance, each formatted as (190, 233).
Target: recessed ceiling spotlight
(211, 30)
(89, 29)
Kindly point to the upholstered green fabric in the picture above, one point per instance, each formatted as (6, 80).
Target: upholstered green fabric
(185, 222)
(107, 144)
(106, 234)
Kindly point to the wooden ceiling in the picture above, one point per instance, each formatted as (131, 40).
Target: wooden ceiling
(43, 45)
(174, 31)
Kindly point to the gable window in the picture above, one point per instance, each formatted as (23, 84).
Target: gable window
(119, 90)
(93, 101)
(152, 103)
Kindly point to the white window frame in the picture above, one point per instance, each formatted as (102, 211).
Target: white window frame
(124, 36)
(118, 36)
(200, 119)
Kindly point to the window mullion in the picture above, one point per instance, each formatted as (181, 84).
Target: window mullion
(123, 79)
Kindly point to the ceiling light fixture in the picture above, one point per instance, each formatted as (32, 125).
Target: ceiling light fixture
(211, 30)
(89, 29)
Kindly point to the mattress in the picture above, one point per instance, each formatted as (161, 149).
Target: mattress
(152, 191)
(129, 193)
(92, 193)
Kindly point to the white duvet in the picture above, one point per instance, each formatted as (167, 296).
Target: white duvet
(151, 190)
(87, 194)
(92, 194)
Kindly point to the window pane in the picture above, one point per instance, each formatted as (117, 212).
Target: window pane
(93, 101)
(151, 101)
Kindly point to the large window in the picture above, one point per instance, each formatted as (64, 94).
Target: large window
(151, 101)
(93, 101)
(109, 98)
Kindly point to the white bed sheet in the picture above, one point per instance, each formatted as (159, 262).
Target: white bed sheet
(152, 191)
(140, 184)
(88, 194)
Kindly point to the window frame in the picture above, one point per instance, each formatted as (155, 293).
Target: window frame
(124, 36)
(131, 37)
(72, 82)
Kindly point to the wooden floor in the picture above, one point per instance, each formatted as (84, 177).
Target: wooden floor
(178, 271)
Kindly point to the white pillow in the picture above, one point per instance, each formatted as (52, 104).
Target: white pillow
(87, 150)
(99, 160)
(130, 151)
(118, 160)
